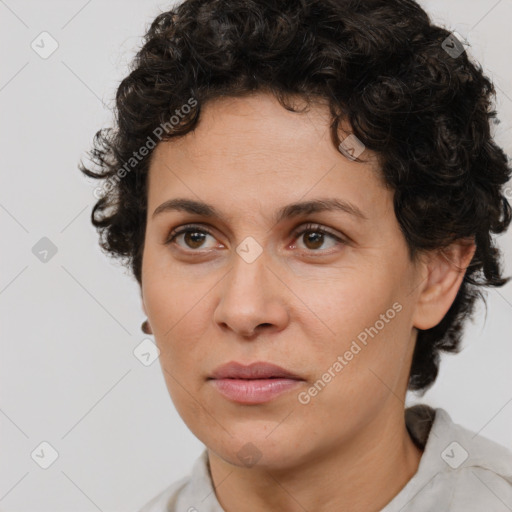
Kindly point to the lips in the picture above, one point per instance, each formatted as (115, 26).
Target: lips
(257, 370)
(253, 384)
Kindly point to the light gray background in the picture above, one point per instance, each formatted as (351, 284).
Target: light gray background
(69, 326)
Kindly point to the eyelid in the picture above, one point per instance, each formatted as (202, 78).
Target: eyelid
(296, 232)
(184, 229)
(311, 226)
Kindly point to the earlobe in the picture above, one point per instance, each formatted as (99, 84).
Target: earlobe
(445, 271)
(146, 328)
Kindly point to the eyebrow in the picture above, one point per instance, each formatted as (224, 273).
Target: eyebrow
(289, 211)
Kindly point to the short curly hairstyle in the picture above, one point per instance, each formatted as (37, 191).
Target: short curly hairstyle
(381, 65)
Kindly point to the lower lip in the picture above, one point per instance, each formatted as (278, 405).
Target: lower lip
(255, 391)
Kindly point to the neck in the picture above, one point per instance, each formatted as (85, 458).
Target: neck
(361, 475)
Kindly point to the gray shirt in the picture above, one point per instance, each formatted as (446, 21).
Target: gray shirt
(459, 471)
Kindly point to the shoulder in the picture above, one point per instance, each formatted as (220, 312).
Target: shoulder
(165, 501)
(452, 446)
(477, 488)
(470, 450)
(191, 493)
(482, 469)
(459, 470)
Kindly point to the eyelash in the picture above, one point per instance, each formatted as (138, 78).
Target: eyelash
(316, 228)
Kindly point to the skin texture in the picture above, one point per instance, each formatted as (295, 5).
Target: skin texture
(299, 305)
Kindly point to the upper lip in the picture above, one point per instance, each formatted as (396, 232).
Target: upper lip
(257, 370)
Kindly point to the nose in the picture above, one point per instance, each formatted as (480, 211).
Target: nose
(251, 299)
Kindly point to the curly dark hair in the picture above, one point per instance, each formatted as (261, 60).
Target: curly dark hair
(381, 65)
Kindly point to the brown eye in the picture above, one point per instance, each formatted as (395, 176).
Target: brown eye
(313, 240)
(193, 237)
(314, 237)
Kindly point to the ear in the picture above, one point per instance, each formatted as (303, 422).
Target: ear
(143, 303)
(443, 272)
(146, 327)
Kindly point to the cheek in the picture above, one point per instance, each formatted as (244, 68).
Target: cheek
(348, 303)
(358, 331)
(176, 313)
(177, 320)
(167, 294)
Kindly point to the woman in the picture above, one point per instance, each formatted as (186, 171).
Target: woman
(305, 192)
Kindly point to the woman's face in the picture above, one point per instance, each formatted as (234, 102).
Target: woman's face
(335, 309)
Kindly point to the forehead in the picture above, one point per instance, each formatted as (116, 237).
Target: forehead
(251, 151)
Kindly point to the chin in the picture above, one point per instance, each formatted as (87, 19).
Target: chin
(254, 447)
